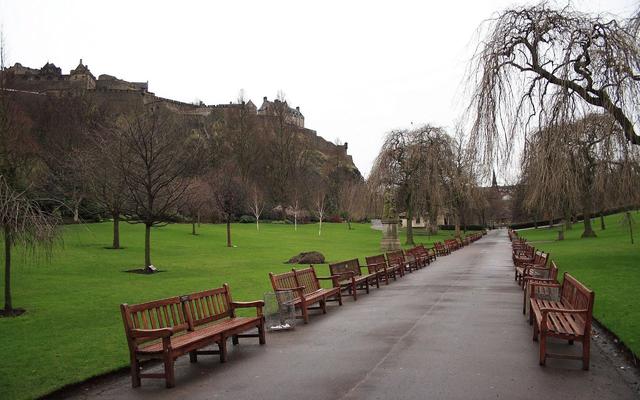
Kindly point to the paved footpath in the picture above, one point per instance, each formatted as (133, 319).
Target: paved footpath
(454, 330)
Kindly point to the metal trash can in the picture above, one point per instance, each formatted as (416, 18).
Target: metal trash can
(279, 311)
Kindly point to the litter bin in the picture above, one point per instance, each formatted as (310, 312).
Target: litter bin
(279, 310)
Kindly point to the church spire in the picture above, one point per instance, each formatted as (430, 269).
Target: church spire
(494, 181)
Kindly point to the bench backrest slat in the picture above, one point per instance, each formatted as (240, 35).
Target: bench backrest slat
(208, 306)
(307, 277)
(165, 313)
(577, 296)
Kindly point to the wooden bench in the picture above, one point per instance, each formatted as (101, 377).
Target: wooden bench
(538, 275)
(565, 316)
(169, 328)
(395, 258)
(351, 277)
(305, 285)
(429, 252)
(380, 262)
(419, 255)
(441, 250)
(451, 244)
(522, 269)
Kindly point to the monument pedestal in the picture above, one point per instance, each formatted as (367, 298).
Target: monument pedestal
(390, 239)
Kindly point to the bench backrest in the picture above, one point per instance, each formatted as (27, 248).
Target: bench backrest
(379, 259)
(345, 267)
(285, 280)
(307, 277)
(165, 313)
(208, 306)
(576, 294)
(395, 257)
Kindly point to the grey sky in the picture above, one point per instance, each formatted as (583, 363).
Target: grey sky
(357, 69)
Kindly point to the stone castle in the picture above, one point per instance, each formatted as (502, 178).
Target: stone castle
(121, 95)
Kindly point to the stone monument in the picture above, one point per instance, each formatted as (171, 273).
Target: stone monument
(390, 223)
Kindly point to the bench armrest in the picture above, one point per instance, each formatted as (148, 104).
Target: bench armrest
(247, 304)
(563, 310)
(258, 304)
(151, 333)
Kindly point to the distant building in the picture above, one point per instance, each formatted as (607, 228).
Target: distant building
(271, 108)
(50, 80)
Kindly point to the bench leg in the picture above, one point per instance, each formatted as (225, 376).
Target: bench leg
(367, 286)
(235, 340)
(323, 304)
(135, 372)
(339, 298)
(543, 349)
(222, 346)
(354, 292)
(193, 356)
(168, 371)
(377, 281)
(305, 313)
(586, 350)
(261, 337)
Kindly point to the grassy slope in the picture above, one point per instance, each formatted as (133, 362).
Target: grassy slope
(73, 329)
(609, 265)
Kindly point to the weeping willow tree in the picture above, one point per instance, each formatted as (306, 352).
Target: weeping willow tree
(571, 165)
(540, 66)
(428, 171)
(24, 224)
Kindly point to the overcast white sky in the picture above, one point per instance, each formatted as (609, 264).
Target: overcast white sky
(356, 69)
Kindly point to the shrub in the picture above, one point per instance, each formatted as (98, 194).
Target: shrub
(247, 219)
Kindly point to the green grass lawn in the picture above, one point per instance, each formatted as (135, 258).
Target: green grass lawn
(608, 264)
(73, 330)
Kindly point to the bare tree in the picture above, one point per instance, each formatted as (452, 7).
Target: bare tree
(104, 177)
(320, 198)
(241, 135)
(558, 65)
(257, 204)
(194, 202)
(156, 156)
(228, 194)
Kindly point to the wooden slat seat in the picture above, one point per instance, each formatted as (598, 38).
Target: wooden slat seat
(351, 276)
(566, 316)
(169, 328)
(441, 250)
(538, 276)
(305, 285)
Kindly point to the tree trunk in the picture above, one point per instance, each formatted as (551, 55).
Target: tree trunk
(228, 232)
(295, 222)
(320, 228)
(193, 228)
(147, 245)
(409, 224)
(433, 223)
(349, 223)
(561, 232)
(457, 226)
(257, 223)
(630, 226)
(76, 212)
(602, 225)
(116, 231)
(8, 306)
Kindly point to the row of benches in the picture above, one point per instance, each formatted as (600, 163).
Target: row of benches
(169, 328)
(556, 309)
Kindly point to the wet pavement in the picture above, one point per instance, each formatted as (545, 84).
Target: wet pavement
(454, 330)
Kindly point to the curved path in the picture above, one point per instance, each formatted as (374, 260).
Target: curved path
(454, 330)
